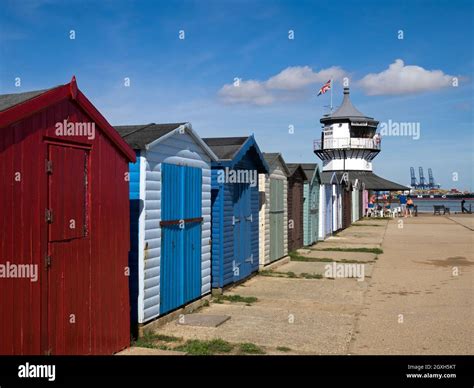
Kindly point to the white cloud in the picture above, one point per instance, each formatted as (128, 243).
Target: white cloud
(401, 79)
(250, 92)
(280, 87)
(298, 77)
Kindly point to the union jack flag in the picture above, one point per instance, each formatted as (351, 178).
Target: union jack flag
(325, 88)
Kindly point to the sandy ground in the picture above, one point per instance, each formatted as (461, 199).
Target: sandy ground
(416, 297)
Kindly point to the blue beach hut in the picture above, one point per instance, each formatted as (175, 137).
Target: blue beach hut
(170, 212)
(235, 208)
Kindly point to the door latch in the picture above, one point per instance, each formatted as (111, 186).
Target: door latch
(47, 261)
(49, 216)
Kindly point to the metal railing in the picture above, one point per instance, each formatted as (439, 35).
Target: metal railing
(349, 142)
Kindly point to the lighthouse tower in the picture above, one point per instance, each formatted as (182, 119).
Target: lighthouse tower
(348, 141)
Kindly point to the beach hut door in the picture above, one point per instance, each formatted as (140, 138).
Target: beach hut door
(314, 213)
(181, 213)
(68, 258)
(242, 220)
(276, 219)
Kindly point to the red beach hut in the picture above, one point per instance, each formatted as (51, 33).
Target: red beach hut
(64, 226)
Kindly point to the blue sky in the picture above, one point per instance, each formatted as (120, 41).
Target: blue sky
(191, 79)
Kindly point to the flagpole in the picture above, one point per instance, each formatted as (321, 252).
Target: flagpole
(331, 96)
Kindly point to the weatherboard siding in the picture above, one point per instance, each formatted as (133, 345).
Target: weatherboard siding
(306, 217)
(322, 212)
(223, 229)
(264, 182)
(179, 149)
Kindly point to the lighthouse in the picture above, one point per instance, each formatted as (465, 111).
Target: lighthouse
(349, 141)
(348, 145)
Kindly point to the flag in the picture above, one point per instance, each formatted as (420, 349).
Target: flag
(325, 88)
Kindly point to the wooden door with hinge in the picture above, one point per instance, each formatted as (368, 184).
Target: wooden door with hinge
(277, 210)
(181, 234)
(68, 259)
(242, 224)
(314, 212)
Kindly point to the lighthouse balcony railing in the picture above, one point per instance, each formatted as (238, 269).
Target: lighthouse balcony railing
(347, 143)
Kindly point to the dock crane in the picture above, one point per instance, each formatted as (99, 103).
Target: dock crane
(414, 183)
(431, 181)
(422, 178)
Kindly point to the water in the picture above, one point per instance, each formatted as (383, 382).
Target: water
(426, 206)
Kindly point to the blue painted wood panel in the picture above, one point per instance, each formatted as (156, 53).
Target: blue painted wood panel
(235, 209)
(180, 274)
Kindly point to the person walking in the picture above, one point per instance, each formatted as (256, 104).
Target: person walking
(403, 204)
(410, 206)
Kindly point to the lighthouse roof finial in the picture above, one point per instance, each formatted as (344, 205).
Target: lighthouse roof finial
(347, 112)
(347, 109)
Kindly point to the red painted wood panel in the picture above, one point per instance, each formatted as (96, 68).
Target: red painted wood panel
(87, 280)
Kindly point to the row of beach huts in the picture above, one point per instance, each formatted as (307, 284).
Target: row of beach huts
(126, 224)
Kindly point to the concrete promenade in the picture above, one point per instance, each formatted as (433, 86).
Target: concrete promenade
(416, 297)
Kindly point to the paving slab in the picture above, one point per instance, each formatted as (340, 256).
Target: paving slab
(307, 316)
(337, 255)
(411, 303)
(347, 244)
(300, 267)
(202, 320)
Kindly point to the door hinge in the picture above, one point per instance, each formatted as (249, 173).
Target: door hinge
(47, 261)
(49, 166)
(49, 216)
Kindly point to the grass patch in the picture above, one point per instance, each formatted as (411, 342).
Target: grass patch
(166, 338)
(283, 349)
(205, 348)
(249, 348)
(317, 259)
(248, 300)
(295, 256)
(350, 261)
(150, 340)
(311, 275)
(272, 273)
(145, 341)
(367, 250)
(327, 260)
(292, 275)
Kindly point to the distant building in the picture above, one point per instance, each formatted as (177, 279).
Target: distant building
(349, 142)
